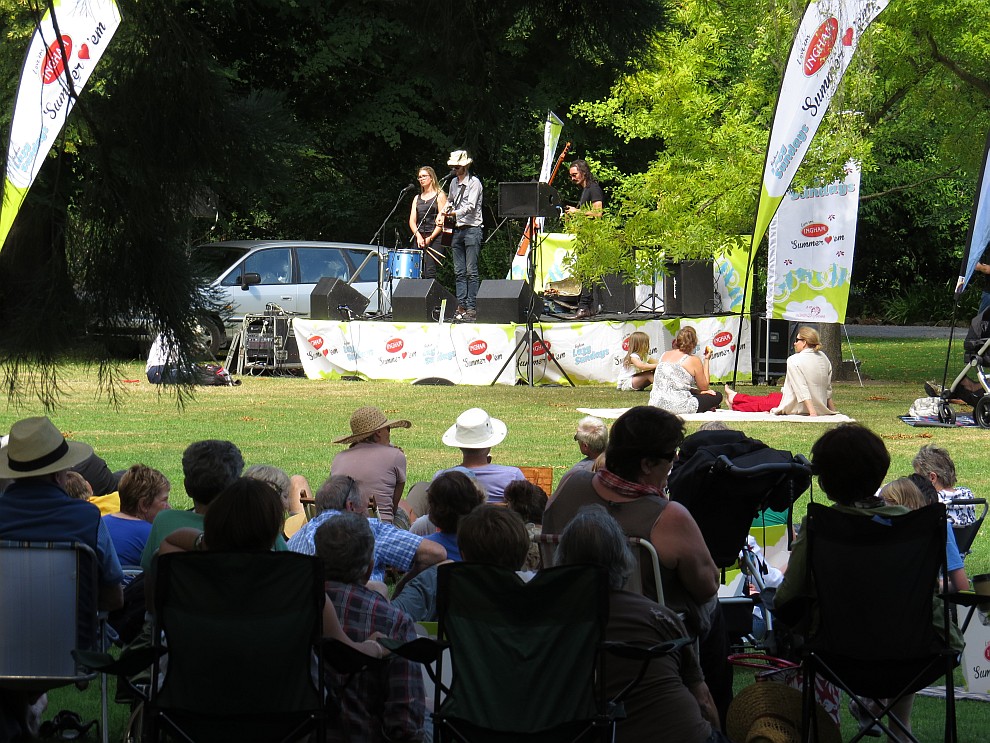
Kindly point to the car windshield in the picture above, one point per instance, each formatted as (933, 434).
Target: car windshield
(209, 261)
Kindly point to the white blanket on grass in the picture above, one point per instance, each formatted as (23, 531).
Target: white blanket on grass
(727, 416)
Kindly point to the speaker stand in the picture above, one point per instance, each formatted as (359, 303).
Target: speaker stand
(652, 297)
(531, 333)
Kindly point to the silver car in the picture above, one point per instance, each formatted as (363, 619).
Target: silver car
(245, 276)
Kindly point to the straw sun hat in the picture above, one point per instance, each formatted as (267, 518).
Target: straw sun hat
(365, 421)
(35, 447)
(768, 712)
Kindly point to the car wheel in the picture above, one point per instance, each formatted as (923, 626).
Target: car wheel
(212, 335)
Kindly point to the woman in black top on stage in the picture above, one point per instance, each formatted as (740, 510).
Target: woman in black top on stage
(423, 223)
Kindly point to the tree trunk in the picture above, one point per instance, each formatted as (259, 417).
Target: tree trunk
(830, 335)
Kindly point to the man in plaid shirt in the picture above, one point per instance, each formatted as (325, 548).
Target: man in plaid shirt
(385, 702)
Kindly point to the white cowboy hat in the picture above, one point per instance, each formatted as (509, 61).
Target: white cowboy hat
(365, 421)
(35, 447)
(475, 429)
(459, 157)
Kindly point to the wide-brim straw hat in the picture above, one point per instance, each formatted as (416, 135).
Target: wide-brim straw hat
(768, 712)
(365, 421)
(35, 447)
(459, 157)
(475, 429)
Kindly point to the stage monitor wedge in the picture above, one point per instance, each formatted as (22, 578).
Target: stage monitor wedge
(525, 200)
(504, 301)
(419, 300)
(332, 298)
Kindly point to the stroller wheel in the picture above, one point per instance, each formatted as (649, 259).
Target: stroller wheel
(981, 412)
(945, 413)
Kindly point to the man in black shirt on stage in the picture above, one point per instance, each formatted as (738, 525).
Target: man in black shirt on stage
(592, 202)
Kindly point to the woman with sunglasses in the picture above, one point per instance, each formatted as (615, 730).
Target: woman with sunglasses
(807, 387)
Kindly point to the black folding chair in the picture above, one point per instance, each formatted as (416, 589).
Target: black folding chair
(527, 659)
(237, 647)
(875, 580)
(966, 534)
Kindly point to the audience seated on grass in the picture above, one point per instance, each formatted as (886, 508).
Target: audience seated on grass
(394, 547)
(850, 462)
(475, 433)
(935, 464)
(35, 507)
(386, 701)
(289, 489)
(207, 468)
(143, 495)
(592, 438)
(378, 465)
(904, 492)
(529, 501)
(490, 534)
(452, 495)
(673, 696)
(641, 448)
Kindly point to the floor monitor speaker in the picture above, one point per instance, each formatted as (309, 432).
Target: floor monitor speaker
(689, 289)
(419, 300)
(332, 298)
(503, 301)
(616, 295)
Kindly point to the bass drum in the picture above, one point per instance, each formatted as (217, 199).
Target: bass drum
(405, 264)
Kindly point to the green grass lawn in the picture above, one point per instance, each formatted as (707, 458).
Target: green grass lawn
(290, 422)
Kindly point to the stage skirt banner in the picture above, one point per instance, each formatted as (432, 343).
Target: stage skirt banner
(475, 354)
(822, 49)
(44, 96)
(812, 239)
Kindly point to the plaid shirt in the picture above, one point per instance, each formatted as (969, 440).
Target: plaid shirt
(386, 703)
(393, 547)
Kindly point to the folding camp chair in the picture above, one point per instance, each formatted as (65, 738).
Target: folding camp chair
(527, 659)
(235, 636)
(48, 609)
(875, 582)
(966, 534)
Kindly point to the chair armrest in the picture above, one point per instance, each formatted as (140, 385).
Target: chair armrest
(343, 658)
(421, 650)
(638, 652)
(129, 663)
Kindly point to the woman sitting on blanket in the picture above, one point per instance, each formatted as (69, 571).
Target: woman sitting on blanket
(680, 380)
(807, 388)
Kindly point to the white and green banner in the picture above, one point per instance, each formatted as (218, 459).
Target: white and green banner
(812, 239)
(551, 138)
(67, 45)
(823, 47)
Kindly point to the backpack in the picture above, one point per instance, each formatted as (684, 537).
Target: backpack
(214, 375)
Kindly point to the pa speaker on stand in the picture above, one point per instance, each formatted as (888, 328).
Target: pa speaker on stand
(689, 289)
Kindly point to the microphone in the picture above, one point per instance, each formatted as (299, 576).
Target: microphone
(449, 175)
(410, 187)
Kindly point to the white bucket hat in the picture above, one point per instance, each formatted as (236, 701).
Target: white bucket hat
(459, 157)
(35, 447)
(475, 429)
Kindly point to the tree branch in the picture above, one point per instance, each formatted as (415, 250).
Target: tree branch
(906, 186)
(979, 83)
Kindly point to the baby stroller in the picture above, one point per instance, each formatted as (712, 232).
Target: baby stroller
(725, 479)
(976, 354)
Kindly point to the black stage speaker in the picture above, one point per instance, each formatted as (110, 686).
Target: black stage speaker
(331, 299)
(503, 301)
(525, 200)
(688, 288)
(616, 296)
(774, 365)
(419, 300)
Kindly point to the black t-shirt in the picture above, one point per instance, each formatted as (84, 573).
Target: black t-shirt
(591, 193)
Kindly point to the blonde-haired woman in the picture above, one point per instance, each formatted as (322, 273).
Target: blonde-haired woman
(680, 380)
(423, 222)
(807, 388)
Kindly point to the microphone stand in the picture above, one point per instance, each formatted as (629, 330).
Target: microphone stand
(376, 239)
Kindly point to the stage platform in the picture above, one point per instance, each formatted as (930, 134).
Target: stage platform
(588, 352)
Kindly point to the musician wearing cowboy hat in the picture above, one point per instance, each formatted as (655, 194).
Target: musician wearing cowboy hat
(464, 203)
(36, 507)
(378, 467)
